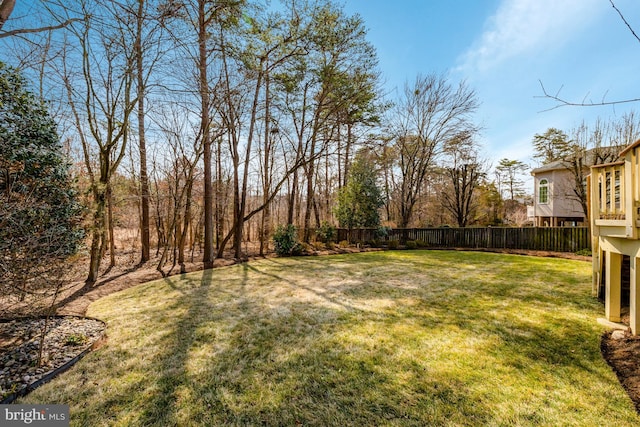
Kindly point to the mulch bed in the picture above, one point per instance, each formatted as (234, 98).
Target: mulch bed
(623, 355)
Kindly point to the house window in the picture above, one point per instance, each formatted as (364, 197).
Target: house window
(543, 191)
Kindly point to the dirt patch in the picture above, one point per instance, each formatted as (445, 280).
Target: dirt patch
(79, 297)
(623, 355)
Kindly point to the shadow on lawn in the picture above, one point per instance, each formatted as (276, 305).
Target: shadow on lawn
(161, 408)
(286, 366)
(275, 361)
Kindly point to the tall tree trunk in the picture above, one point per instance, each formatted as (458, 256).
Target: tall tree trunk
(239, 218)
(230, 123)
(186, 224)
(311, 172)
(144, 179)
(265, 225)
(327, 189)
(347, 152)
(97, 232)
(293, 194)
(206, 135)
(237, 237)
(158, 220)
(316, 211)
(310, 189)
(219, 193)
(112, 240)
(341, 180)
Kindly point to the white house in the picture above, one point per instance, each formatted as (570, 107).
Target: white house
(555, 200)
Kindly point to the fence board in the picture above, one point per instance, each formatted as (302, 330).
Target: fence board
(558, 239)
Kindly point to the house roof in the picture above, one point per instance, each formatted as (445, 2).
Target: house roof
(590, 158)
(558, 164)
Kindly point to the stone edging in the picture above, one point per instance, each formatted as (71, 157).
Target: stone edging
(57, 370)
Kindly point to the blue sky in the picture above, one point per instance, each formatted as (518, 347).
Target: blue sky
(503, 48)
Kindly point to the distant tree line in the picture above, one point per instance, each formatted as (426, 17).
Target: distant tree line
(203, 125)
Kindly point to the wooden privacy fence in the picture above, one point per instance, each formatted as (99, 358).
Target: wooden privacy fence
(560, 239)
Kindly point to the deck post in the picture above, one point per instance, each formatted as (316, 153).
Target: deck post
(614, 286)
(596, 267)
(634, 296)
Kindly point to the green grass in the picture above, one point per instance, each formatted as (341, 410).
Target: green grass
(386, 338)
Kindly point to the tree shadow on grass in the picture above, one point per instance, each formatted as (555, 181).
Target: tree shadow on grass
(326, 296)
(162, 407)
(281, 365)
(139, 387)
(287, 366)
(236, 356)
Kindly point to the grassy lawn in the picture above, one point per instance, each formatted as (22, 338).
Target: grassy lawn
(385, 338)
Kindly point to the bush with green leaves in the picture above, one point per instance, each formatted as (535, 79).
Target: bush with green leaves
(285, 240)
(40, 215)
(412, 244)
(326, 232)
(382, 232)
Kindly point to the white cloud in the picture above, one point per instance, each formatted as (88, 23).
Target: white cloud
(524, 27)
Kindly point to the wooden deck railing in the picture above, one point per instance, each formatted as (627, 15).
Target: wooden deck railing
(633, 163)
(609, 191)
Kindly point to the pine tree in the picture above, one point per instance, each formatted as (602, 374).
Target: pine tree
(360, 199)
(550, 146)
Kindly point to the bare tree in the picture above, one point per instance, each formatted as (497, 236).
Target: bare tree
(464, 171)
(298, 85)
(597, 144)
(102, 106)
(430, 113)
(141, 21)
(177, 174)
(207, 25)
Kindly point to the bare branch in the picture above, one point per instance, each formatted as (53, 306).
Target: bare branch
(39, 29)
(624, 20)
(561, 102)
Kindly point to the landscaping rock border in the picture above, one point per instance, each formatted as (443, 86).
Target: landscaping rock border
(67, 340)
